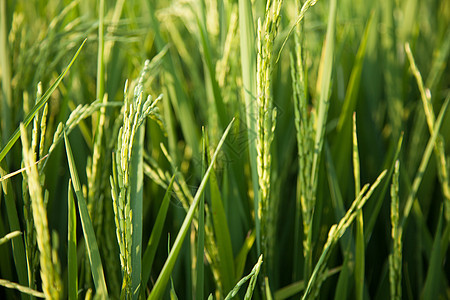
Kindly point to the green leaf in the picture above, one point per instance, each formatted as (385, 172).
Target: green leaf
(248, 63)
(375, 209)
(241, 257)
(326, 69)
(360, 243)
(424, 163)
(14, 225)
(88, 229)
(163, 277)
(136, 198)
(175, 93)
(335, 233)
(101, 52)
(222, 234)
(72, 271)
(220, 110)
(298, 286)
(351, 94)
(437, 260)
(199, 285)
(152, 245)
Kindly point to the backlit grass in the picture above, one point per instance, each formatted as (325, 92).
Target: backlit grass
(224, 149)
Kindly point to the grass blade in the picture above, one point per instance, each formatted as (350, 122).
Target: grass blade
(72, 269)
(439, 150)
(163, 277)
(392, 69)
(6, 102)
(351, 95)
(88, 230)
(343, 137)
(326, 69)
(100, 52)
(199, 284)
(434, 275)
(360, 243)
(222, 233)
(423, 164)
(298, 286)
(211, 74)
(248, 63)
(241, 257)
(375, 209)
(152, 246)
(18, 246)
(136, 198)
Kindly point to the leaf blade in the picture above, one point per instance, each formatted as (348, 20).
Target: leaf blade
(163, 277)
(88, 230)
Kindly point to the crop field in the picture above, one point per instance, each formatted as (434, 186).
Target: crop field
(224, 149)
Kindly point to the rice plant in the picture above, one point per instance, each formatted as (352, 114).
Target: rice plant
(224, 149)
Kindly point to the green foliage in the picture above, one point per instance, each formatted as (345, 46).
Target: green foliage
(285, 146)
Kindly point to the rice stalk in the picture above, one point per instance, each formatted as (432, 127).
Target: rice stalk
(266, 115)
(95, 180)
(305, 141)
(80, 113)
(310, 129)
(391, 70)
(395, 258)
(51, 281)
(22, 289)
(334, 234)
(127, 186)
(251, 286)
(301, 14)
(200, 64)
(425, 95)
(10, 236)
(248, 54)
(423, 164)
(30, 236)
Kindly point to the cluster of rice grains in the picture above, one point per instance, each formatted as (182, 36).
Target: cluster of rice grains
(126, 184)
